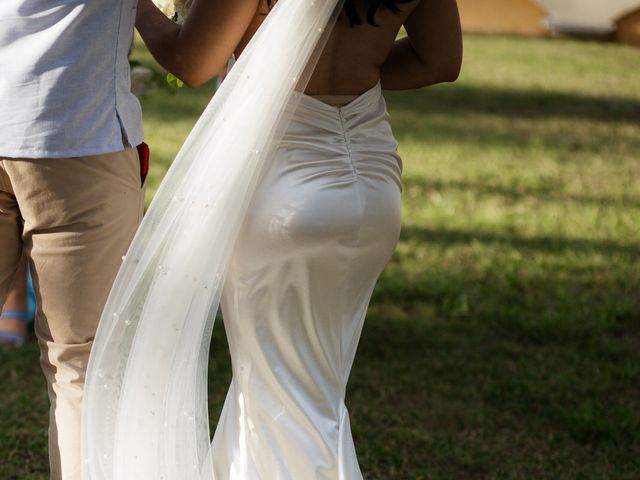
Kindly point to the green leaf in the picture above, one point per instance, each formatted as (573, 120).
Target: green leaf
(174, 81)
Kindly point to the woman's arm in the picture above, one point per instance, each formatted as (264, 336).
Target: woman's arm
(198, 50)
(432, 51)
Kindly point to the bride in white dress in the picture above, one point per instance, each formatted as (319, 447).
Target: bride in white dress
(292, 245)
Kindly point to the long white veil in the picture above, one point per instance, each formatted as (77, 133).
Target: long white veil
(145, 406)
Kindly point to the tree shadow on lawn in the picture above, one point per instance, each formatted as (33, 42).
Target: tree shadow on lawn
(546, 243)
(464, 128)
(451, 398)
(546, 191)
(545, 365)
(460, 99)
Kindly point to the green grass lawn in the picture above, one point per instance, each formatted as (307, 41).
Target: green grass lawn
(503, 341)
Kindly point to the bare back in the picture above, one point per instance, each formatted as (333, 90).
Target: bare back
(354, 60)
(351, 61)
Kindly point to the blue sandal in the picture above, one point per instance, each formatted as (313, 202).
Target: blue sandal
(17, 339)
(27, 316)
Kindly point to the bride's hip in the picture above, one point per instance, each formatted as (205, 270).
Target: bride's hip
(328, 204)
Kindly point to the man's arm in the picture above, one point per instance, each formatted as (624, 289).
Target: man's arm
(199, 49)
(432, 51)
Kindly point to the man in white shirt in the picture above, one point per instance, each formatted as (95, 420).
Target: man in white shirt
(71, 181)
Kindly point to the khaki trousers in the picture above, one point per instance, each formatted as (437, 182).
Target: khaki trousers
(74, 219)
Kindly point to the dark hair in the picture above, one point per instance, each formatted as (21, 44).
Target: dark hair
(371, 7)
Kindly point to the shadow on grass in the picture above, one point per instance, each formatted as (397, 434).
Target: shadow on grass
(538, 243)
(460, 371)
(452, 398)
(541, 192)
(526, 104)
(463, 368)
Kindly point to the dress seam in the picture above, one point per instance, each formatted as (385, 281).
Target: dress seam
(347, 141)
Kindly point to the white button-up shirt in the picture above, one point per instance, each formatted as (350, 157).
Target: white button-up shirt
(65, 78)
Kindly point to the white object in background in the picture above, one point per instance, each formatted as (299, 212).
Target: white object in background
(588, 16)
(140, 79)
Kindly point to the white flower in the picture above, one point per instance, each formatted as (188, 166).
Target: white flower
(173, 8)
(166, 6)
(182, 9)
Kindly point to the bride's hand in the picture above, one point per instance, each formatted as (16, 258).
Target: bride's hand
(199, 49)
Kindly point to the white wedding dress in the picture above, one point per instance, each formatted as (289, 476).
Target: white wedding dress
(285, 208)
(322, 225)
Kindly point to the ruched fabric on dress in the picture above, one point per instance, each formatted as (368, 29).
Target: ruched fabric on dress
(322, 224)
